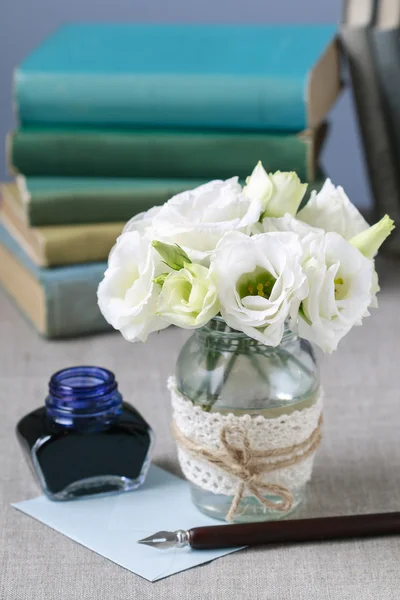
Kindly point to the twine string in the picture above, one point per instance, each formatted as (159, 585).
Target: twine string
(248, 465)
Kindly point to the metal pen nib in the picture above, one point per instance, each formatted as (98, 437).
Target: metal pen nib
(167, 539)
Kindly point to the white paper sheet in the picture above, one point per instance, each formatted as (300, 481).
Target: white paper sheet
(112, 525)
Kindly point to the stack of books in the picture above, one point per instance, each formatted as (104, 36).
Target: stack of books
(114, 119)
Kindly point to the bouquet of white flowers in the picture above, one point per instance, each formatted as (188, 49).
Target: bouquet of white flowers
(250, 255)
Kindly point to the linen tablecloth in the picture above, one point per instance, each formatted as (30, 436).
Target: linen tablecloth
(357, 470)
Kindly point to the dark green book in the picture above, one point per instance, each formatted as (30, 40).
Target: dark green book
(69, 201)
(161, 153)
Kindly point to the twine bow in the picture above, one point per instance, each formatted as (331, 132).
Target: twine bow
(248, 465)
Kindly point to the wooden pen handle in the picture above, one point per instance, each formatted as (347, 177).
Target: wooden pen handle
(302, 530)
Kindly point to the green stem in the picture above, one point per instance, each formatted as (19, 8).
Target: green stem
(298, 363)
(253, 358)
(227, 372)
(211, 362)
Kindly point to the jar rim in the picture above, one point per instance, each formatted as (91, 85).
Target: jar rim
(218, 326)
(84, 393)
(90, 381)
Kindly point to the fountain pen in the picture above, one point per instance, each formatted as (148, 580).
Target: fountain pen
(278, 532)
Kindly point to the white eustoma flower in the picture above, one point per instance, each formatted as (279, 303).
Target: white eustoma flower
(188, 297)
(197, 219)
(260, 282)
(127, 295)
(340, 285)
(331, 210)
(288, 223)
(375, 288)
(279, 193)
(142, 222)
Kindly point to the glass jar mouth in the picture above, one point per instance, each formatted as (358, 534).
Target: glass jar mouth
(82, 382)
(218, 327)
(82, 393)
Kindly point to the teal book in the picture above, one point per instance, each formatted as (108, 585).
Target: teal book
(81, 200)
(160, 153)
(269, 77)
(59, 302)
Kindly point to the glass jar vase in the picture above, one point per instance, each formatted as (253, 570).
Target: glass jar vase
(224, 376)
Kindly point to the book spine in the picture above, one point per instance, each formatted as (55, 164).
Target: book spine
(78, 201)
(71, 305)
(78, 244)
(156, 154)
(146, 100)
(70, 293)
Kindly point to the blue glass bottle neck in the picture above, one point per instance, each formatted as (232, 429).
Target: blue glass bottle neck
(83, 398)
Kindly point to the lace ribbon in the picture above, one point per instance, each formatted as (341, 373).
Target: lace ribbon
(248, 465)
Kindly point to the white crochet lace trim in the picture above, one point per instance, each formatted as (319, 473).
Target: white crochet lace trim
(265, 434)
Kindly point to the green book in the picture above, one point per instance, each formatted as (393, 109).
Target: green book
(70, 201)
(74, 152)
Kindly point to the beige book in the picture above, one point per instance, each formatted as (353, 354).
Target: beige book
(24, 288)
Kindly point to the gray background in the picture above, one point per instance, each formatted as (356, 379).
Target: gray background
(26, 22)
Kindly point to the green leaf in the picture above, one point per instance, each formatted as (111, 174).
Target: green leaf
(172, 254)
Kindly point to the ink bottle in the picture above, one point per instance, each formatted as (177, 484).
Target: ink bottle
(86, 441)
